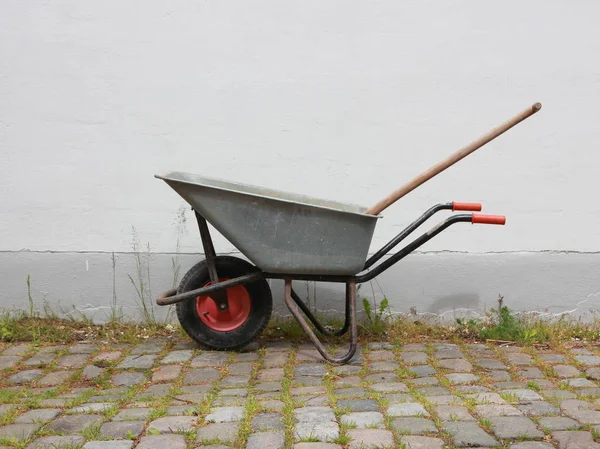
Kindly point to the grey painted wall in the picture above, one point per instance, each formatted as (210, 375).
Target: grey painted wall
(434, 284)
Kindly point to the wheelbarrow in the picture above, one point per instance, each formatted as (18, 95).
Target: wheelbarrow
(225, 302)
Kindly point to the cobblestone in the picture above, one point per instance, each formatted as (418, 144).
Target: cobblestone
(58, 442)
(512, 411)
(491, 364)
(137, 362)
(575, 440)
(370, 439)
(407, 409)
(456, 365)
(363, 420)
(19, 432)
(25, 376)
(588, 360)
(177, 357)
(37, 416)
(266, 440)
(73, 361)
(553, 423)
(113, 444)
(417, 442)
(316, 423)
(359, 405)
(453, 413)
(461, 378)
(92, 372)
(162, 442)
(414, 425)
(489, 411)
(469, 434)
(225, 432)
(133, 414)
(128, 379)
(267, 422)
(538, 408)
(566, 371)
(122, 429)
(578, 382)
(225, 414)
(40, 359)
(514, 427)
(8, 361)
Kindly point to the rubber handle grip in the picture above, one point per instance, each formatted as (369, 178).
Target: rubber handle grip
(475, 207)
(488, 219)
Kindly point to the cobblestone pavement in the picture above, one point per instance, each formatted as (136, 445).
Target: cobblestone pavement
(172, 395)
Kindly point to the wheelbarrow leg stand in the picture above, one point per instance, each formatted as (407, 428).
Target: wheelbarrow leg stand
(293, 304)
(220, 297)
(306, 310)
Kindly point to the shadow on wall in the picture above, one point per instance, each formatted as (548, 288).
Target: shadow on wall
(447, 303)
(329, 299)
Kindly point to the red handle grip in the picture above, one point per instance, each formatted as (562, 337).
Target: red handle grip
(488, 219)
(475, 207)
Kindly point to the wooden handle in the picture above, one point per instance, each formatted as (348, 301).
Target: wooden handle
(451, 160)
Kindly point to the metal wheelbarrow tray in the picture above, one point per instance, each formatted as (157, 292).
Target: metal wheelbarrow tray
(225, 302)
(281, 232)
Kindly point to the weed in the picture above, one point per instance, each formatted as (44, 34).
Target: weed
(4, 441)
(377, 316)
(287, 399)
(189, 434)
(343, 440)
(91, 432)
(115, 314)
(486, 423)
(181, 221)
(510, 397)
(29, 297)
(502, 324)
(251, 409)
(9, 416)
(20, 327)
(110, 412)
(6, 328)
(10, 396)
(287, 328)
(141, 284)
(131, 436)
(310, 439)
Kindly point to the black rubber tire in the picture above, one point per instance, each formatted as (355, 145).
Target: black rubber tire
(260, 307)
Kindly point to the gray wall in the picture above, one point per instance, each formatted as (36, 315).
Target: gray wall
(442, 285)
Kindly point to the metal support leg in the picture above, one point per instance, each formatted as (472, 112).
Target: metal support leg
(351, 311)
(219, 297)
(316, 323)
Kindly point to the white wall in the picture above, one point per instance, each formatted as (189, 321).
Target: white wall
(342, 100)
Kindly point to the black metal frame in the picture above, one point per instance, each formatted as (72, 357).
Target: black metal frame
(292, 300)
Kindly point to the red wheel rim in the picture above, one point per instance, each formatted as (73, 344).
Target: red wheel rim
(239, 309)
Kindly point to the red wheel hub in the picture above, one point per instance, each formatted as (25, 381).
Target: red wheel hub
(237, 314)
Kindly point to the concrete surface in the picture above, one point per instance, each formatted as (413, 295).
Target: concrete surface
(442, 284)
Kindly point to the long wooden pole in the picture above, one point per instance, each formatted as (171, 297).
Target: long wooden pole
(451, 160)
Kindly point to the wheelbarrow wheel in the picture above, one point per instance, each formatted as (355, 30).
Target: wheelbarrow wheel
(250, 306)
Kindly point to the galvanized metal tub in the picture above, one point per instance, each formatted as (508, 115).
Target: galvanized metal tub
(281, 232)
